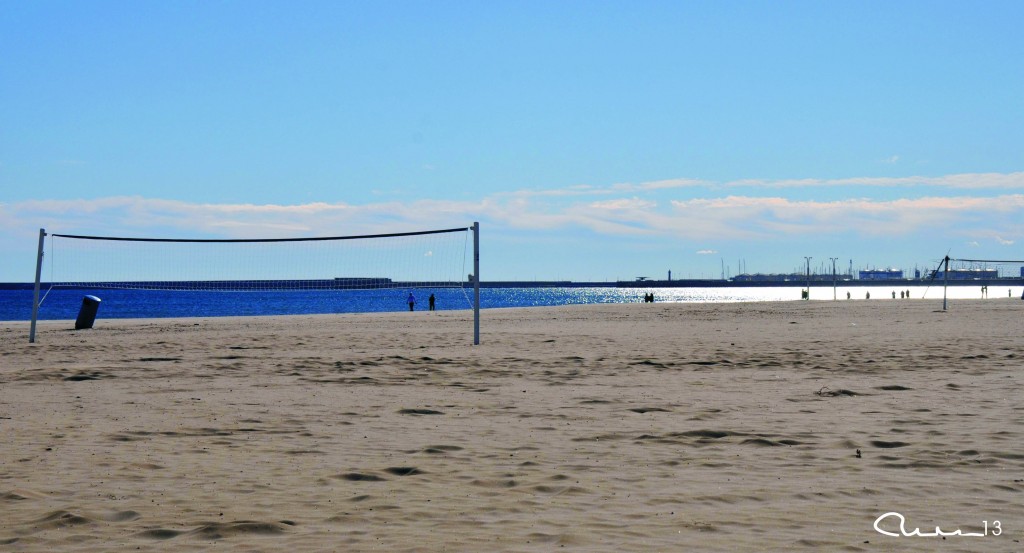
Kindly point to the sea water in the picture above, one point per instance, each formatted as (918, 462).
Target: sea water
(61, 303)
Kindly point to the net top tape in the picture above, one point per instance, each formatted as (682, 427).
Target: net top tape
(988, 260)
(253, 240)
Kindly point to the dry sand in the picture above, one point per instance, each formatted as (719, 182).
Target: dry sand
(684, 427)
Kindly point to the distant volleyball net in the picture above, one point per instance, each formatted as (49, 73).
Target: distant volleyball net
(397, 263)
(982, 272)
(983, 269)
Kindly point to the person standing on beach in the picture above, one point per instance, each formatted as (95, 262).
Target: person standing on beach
(411, 300)
(430, 302)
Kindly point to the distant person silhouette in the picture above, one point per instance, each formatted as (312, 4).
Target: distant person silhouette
(430, 302)
(411, 300)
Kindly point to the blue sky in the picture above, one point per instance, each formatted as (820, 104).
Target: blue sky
(592, 140)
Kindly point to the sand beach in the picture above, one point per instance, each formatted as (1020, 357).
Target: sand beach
(631, 427)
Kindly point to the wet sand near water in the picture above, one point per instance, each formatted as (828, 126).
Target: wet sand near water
(636, 427)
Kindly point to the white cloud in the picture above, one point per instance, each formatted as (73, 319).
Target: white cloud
(959, 180)
(962, 180)
(724, 217)
(624, 204)
(706, 252)
(624, 210)
(138, 216)
(736, 216)
(659, 185)
(618, 188)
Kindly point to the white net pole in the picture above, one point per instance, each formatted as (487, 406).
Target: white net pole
(35, 289)
(476, 283)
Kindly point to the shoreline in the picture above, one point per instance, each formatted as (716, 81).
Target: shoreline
(935, 296)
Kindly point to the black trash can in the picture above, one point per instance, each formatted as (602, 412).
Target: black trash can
(87, 314)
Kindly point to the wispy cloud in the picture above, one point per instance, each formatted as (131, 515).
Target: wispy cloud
(739, 216)
(645, 209)
(659, 185)
(618, 188)
(962, 180)
(954, 181)
(624, 204)
(139, 216)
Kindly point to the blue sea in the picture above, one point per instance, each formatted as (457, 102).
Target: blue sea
(61, 303)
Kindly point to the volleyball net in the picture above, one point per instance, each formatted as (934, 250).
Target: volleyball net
(960, 271)
(434, 259)
(983, 269)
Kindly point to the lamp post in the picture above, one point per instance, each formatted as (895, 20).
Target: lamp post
(945, 280)
(833, 277)
(808, 258)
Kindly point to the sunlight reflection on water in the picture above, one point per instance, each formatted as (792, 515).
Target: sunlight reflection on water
(15, 305)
